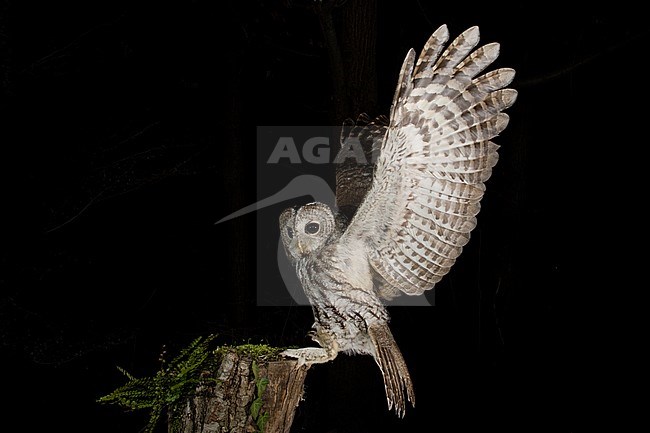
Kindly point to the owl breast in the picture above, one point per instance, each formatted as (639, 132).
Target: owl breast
(342, 298)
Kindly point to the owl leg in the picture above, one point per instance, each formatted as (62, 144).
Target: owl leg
(315, 355)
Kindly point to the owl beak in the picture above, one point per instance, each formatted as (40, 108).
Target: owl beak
(301, 248)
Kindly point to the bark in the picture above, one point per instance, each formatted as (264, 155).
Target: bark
(359, 54)
(226, 406)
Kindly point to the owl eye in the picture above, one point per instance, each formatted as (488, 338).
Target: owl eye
(312, 228)
(290, 232)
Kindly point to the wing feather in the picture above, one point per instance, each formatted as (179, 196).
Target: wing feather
(436, 156)
(354, 177)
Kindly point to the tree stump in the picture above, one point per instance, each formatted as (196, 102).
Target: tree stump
(246, 398)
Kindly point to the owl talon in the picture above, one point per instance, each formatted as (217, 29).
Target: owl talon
(308, 355)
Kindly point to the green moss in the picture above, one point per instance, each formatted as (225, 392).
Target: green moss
(194, 366)
(259, 417)
(257, 352)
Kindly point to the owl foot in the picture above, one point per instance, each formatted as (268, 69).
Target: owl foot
(309, 355)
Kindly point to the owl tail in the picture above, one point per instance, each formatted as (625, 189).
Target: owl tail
(393, 369)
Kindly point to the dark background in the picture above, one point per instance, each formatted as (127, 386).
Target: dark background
(128, 129)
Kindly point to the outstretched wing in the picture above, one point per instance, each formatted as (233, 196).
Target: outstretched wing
(437, 154)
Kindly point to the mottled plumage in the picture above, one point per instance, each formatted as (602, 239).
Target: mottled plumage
(354, 175)
(418, 212)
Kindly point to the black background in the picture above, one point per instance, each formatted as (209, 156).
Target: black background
(128, 129)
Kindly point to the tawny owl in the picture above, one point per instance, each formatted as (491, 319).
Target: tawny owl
(418, 213)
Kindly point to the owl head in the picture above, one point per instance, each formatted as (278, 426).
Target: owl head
(307, 230)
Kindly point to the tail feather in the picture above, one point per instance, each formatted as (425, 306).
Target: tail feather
(397, 380)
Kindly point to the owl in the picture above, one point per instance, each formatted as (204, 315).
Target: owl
(417, 214)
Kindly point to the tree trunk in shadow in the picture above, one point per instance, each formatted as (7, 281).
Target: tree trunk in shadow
(359, 54)
(237, 175)
(350, 36)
